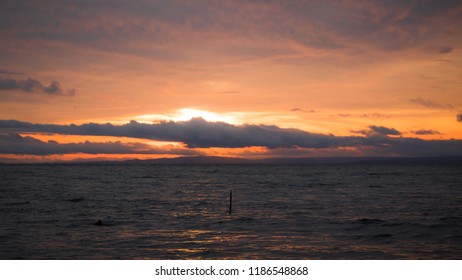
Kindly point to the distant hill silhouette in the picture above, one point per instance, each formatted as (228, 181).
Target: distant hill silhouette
(318, 160)
(194, 160)
(204, 160)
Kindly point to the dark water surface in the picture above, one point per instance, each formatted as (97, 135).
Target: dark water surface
(345, 211)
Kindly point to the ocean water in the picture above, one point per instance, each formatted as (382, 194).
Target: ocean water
(338, 211)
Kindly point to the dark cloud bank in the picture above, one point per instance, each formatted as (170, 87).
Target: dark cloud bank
(16, 144)
(198, 133)
(32, 85)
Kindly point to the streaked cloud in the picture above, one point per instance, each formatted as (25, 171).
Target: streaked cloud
(251, 29)
(302, 110)
(296, 110)
(375, 116)
(441, 49)
(431, 104)
(6, 72)
(427, 132)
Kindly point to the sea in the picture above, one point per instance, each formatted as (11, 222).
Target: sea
(153, 211)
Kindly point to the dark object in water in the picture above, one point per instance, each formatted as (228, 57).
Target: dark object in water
(76, 199)
(99, 223)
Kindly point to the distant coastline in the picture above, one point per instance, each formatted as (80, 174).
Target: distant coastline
(215, 160)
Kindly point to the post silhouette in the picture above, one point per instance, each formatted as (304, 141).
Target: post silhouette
(230, 202)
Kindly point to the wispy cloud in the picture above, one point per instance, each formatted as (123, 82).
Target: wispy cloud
(431, 104)
(375, 116)
(302, 110)
(257, 27)
(6, 72)
(32, 85)
(427, 132)
(440, 49)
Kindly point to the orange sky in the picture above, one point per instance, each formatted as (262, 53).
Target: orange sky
(342, 68)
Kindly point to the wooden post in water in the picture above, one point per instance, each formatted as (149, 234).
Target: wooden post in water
(230, 202)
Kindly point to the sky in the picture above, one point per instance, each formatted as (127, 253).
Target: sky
(110, 79)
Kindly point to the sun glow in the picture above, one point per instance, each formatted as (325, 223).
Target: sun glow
(187, 114)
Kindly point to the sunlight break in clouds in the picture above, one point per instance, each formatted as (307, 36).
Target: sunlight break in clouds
(187, 114)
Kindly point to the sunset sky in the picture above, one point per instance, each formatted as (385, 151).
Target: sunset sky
(142, 79)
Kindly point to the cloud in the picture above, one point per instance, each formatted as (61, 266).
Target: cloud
(384, 130)
(375, 116)
(431, 104)
(302, 110)
(296, 109)
(415, 147)
(459, 117)
(230, 92)
(364, 116)
(445, 49)
(31, 85)
(16, 144)
(198, 133)
(195, 133)
(362, 131)
(131, 26)
(6, 72)
(440, 50)
(379, 25)
(426, 132)
(377, 130)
